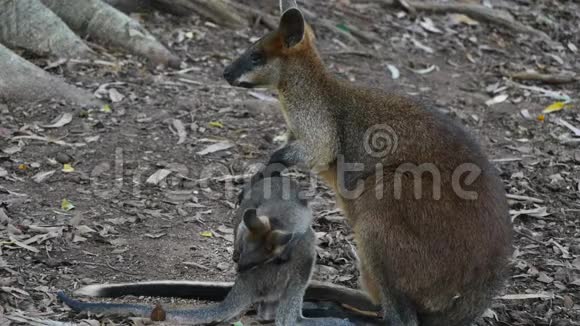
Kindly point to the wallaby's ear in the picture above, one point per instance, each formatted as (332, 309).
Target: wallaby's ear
(292, 27)
(278, 238)
(256, 224)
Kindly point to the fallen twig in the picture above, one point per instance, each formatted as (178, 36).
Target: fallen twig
(545, 92)
(526, 296)
(23, 245)
(495, 16)
(46, 139)
(200, 266)
(529, 237)
(524, 198)
(544, 78)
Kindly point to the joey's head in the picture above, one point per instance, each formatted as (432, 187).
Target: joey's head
(259, 242)
(266, 61)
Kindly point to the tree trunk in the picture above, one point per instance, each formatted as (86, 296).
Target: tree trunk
(100, 21)
(29, 25)
(21, 81)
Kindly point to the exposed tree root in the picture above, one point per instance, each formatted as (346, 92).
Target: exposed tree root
(218, 11)
(268, 20)
(21, 81)
(129, 6)
(30, 25)
(494, 16)
(99, 20)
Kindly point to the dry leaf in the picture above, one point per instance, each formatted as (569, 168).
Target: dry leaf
(568, 125)
(42, 176)
(535, 212)
(424, 71)
(207, 234)
(66, 205)
(526, 114)
(263, 97)
(456, 19)
(12, 150)
(554, 107)
(60, 121)
(83, 229)
(496, 100)
(155, 235)
(106, 108)
(23, 245)
(544, 278)
(490, 314)
(78, 238)
(395, 74)
(67, 168)
(429, 26)
(180, 129)
(158, 176)
(115, 96)
(422, 46)
(92, 139)
(216, 148)
(216, 124)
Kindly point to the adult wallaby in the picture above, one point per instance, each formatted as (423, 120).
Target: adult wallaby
(428, 210)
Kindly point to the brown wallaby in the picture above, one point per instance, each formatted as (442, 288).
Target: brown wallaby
(275, 247)
(427, 208)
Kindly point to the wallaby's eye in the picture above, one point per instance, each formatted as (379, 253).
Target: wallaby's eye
(256, 58)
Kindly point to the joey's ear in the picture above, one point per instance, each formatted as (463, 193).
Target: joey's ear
(256, 224)
(278, 239)
(292, 27)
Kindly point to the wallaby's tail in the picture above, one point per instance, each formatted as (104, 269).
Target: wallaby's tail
(357, 299)
(212, 291)
(105, 308)
(204, 315)
(217, 291)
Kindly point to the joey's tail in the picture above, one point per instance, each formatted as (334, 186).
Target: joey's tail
(105, 308)
(217, 291)
(212, 291)
(213, 313)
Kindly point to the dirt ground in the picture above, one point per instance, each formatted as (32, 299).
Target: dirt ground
(128, 223)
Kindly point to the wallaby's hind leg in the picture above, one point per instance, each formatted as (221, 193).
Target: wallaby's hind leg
(290, 310)
(397, 310)
(369, 284)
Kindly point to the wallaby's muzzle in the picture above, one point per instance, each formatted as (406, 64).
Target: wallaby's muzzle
(235, 72)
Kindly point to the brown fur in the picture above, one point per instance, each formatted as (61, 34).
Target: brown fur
(438, 259)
